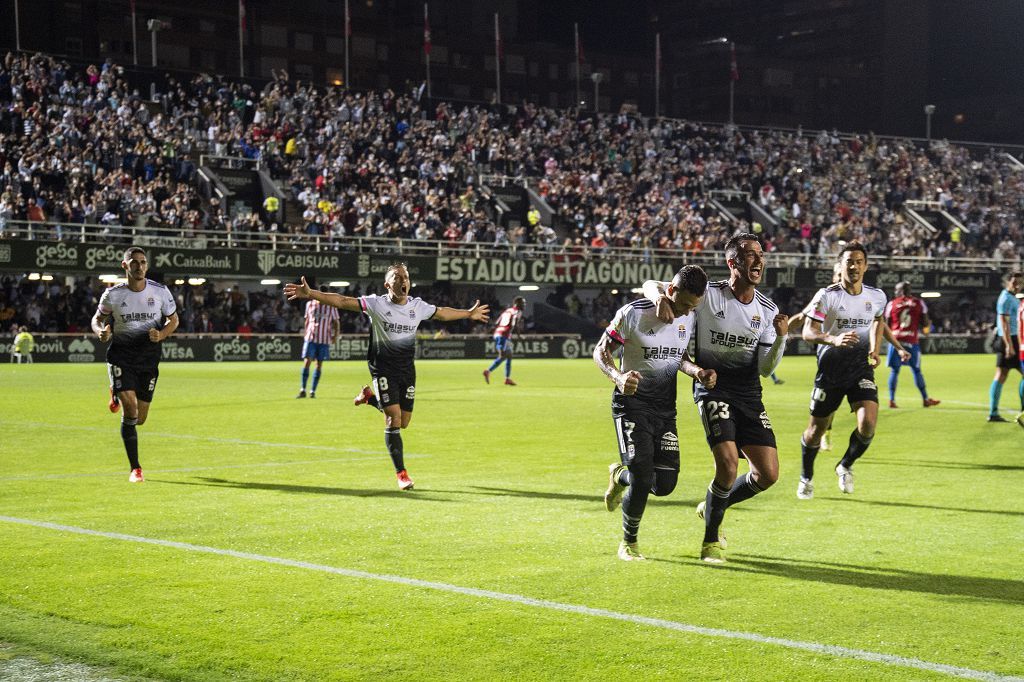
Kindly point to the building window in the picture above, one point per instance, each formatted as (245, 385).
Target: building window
(273, 36)
(207, 26)
(335, 44)
(303, 41)
(515, 63)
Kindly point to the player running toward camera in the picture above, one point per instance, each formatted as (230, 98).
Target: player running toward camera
(652, 354)
(906, 316)
(846, 321)
(1007, 344)
(740, 334)
(322, 325)
(511, 319)
(394, 319)
(143, 315)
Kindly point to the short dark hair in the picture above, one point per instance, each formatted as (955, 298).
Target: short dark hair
(853, 246)
(395, 266)
(903, 288)
(519, 301)
(1011, 275)
(732, 247)
(131, 251)
(691, 278)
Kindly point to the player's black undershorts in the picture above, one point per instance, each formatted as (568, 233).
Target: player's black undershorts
(647, 437)
(142, 380)
(827, 396)
(395, 389)
(999, 346)
(744, 422)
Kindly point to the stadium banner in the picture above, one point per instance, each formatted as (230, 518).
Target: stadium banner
(76, 258)
(87, 348)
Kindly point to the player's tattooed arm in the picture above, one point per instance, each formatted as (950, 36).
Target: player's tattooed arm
(657, 293)
(626, 382)
(796, 322)
(302, 291)
(101, 326)
(707, 377)
(478, 313)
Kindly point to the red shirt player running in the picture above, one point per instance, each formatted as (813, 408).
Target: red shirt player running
(511, 319)
(906, 315)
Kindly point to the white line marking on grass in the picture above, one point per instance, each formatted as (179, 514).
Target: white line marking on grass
(813, 647)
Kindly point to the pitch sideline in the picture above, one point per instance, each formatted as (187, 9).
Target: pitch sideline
(812, 647)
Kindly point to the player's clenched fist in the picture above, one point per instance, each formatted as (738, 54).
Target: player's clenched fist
(628, 382)
(707, 377)
(105, 333)
(781, 324)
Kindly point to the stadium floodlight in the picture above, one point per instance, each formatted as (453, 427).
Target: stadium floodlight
(270, 281)
(529, 287)
(33, 276)
(47, 278)
(637, 290)
(930, 294)
(108, 278)
(196, 281)
(929, 109)
(597, 77)
(179, 282)
(339, 285)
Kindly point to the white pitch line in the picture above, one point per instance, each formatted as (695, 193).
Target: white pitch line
(812, 647)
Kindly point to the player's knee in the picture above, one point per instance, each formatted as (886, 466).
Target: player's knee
(664, 482)
(767, 478)
(642, 475)
(141, 420)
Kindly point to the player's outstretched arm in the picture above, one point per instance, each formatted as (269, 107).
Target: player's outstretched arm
(655, 292)
(478, 313)
(626, 382)
(302, 292)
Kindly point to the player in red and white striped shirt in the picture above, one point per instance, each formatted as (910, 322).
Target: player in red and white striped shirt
(510, 320)
(322, 325)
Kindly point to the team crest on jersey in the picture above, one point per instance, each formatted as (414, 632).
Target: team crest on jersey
(682, 332)
(412, 314)
(867, 306)
(755, 322)
(720, 314)
(151, 302)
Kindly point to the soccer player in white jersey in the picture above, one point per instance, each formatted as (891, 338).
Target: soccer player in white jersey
(394, 319)
(135, 317)
(644, 399)
(740, 334)
(846, 320)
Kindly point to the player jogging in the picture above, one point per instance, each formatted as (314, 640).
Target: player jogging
(740, 334)
(143, 314)
(846, 321)
(907, 315)
(1007, 344)
(511, 319)
(394, 319)
(652, 354)
(321, 327)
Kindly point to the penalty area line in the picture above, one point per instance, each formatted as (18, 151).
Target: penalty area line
(812, 647)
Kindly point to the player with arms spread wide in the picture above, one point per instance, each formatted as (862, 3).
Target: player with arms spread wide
(394, 319)
(143, 314)
(741, 335)
(653, 353)
(846, 322)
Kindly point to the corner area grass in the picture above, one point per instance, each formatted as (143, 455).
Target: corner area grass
(921, 562)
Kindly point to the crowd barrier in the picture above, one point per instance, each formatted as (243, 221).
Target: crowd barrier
(78, 348)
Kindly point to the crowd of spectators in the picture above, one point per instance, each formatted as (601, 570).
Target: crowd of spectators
(81, 146)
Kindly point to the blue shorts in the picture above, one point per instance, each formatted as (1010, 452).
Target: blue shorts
(501, 343)
(316, 351)
(915, 356)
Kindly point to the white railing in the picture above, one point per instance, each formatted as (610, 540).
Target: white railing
(229, 239)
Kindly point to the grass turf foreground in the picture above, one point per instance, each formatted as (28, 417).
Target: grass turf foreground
(922, 562)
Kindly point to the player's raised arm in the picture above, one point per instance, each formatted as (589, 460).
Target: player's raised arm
(478, 313)
(302, 292)
(656, 292)
(626, 382)
(769, 353)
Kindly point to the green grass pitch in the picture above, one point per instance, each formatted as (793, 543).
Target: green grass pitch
(923, 562)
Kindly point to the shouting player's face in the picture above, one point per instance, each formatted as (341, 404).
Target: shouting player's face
(136, 267)
(397, 284)
(749, 263)
(854, 264)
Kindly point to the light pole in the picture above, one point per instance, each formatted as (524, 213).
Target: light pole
(154, 26)
(597, 77)
(929, 109)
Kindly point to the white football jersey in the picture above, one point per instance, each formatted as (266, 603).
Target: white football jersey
(652, 348)
(839, 312)
(728, 335)
(393, 331)
(133, 314)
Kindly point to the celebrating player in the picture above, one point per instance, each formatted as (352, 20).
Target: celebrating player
(907, 315)
(846, 321)
(394, 319)
(1007, 344)
(143, 314)
(740, 334)
(322, 326)
(644, 399)
(511, 319)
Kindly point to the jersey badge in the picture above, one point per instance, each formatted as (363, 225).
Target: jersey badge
(412, 314)
(682, 332)
(151, 302)
(720, 314)
(867, 306)
(755, 322)
(649, 332)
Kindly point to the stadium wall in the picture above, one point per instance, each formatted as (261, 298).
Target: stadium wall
(80, 348)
